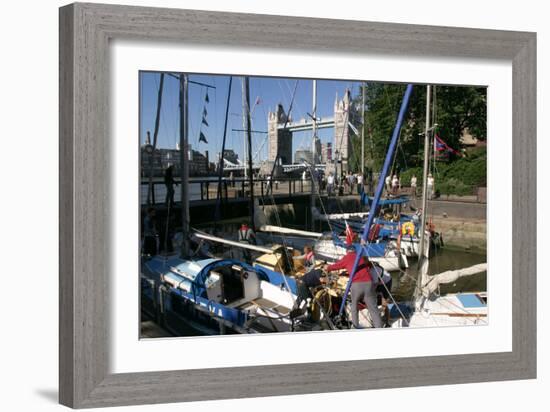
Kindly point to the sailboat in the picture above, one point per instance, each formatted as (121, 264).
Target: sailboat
(191, 295)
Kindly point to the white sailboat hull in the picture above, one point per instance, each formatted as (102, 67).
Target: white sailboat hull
(460, 309)
(326, 249)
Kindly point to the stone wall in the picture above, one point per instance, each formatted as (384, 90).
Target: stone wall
(462, 233)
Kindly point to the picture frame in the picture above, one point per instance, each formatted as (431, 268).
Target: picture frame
(85, 33)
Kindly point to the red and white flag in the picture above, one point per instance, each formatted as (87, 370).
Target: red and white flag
(350, 235)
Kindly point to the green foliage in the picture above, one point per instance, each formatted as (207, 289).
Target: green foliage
(454, 186)
(456, 109)
(407, 174)
(460, 177)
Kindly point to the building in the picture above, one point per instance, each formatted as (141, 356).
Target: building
(280, 140)
(231, 156)
(198, 163)
(303, 154)
(326, 153)
(317, 154)
(341, 129)
(160, 159)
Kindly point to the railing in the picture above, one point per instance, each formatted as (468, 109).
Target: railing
(238, 188)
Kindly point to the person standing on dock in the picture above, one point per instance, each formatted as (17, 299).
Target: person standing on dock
(359, 183)
(351, 181)
(394, 184)
(169, 182)
(330, 184)
(413, 185)
(362, 287)
(431, 185)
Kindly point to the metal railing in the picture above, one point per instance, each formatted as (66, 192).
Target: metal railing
(238, 188)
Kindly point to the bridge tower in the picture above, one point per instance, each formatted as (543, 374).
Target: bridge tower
(280, 140)
(341, 149)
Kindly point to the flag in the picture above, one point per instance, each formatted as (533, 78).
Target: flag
(204, 112)
(202, 138)
(204, 121)
(441, 146)
(349, 235)
(206, 99)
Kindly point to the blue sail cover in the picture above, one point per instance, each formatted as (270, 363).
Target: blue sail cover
(367, 200)
(372, 249)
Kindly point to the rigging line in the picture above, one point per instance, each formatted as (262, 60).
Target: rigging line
(163, 120)
(318, 192)
(141, 80)
(263, 109)
(217, 134)
(174, 114)
(285, 248)
(283, 94)
(298, 106)
(286, 122)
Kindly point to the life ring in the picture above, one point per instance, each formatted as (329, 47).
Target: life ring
(407, 229)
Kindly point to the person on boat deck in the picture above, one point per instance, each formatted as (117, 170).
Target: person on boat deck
(169, 182)
(362, 287)
(149, 233)
(246, 235)
(308, 257)
(312, 278)
(383, 288)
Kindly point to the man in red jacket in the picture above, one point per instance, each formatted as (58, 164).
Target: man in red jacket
(362, 287)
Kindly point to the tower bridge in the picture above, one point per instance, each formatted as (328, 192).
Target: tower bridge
(281, 129)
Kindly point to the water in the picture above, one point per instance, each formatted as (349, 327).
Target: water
(441, 261)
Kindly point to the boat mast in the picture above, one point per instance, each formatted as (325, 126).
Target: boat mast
(313, 150)
(246, 99)
(155, 135)
(362, 248)
(363, 132)
(244, 95)
(184, 161)
(434, 102)
(217, 214)
(422, 255)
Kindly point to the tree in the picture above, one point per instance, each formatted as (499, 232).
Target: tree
(457, 109)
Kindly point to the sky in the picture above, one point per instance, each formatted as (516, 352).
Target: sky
(270, 91)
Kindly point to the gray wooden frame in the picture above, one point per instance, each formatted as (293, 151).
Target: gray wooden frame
(85, 31)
